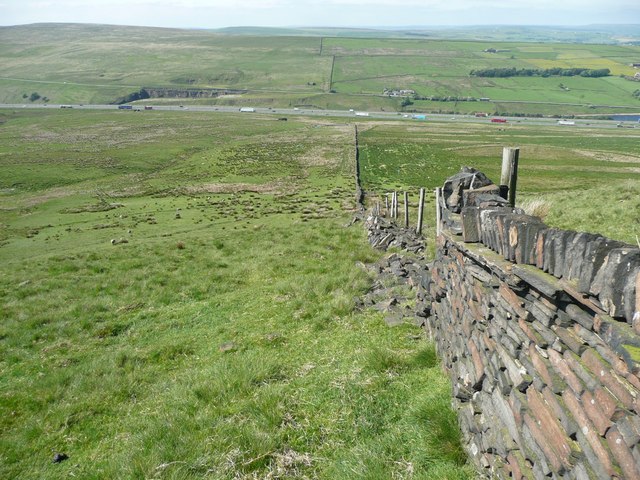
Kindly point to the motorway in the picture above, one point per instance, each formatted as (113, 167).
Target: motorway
(355, 116)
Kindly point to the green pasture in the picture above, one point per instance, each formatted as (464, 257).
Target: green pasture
(179, 302)
(578, 90)
(14, 91)
(97, 56)
(99, 64)
(506, 107)
(179, 289)
(371, 74)
(590, 179)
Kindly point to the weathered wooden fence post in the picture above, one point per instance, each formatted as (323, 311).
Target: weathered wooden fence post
(394, 205)
(386, 203)
(406, 209)
(438, 213)
(509, 175)
(504, 174)
(420, 212)
(513, 178)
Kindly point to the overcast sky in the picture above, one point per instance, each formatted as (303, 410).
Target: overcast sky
(224, 13)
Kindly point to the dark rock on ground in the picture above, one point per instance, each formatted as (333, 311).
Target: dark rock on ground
(60, 457)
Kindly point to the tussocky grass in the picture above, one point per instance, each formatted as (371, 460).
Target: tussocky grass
(220, 340)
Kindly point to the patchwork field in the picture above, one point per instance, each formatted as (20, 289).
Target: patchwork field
(100, 64)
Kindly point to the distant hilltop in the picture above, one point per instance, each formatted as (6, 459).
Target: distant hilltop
(628, 34)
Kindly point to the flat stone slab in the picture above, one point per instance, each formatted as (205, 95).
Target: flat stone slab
(394, 319)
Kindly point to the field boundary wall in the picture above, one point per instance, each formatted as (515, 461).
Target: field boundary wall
(539, 331)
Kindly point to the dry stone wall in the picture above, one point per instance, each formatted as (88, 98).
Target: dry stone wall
(539, 331)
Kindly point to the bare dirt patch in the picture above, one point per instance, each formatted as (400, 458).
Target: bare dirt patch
(33, 200)
(320, 157)
(108, 134)
(269, 188)
(474, 149)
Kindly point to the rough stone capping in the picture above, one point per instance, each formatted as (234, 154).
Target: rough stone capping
(539, 329)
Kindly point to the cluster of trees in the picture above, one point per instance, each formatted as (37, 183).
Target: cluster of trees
(536, 72)
(636, 94)
(35, 96)
(449, 98)
(521, 114)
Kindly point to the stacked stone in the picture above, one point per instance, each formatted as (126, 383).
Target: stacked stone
(544, 373)
(603, 273)
(540, 392)
(399, 305)
(383, 233)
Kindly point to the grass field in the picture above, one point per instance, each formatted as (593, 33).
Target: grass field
(99, 64)
(221, 340)
(178, 288)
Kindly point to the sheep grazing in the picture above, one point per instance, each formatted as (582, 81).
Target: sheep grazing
(121, 240)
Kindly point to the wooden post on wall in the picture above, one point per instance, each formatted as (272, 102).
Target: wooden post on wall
(438, 213)
(386, 203)
(394, 205)
(509, 175)
(513, 177)
(420, 212)
(406, 209)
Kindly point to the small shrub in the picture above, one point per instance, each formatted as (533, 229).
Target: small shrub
(180, 245)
